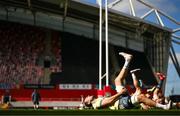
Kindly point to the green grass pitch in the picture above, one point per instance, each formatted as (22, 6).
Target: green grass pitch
(49, 112)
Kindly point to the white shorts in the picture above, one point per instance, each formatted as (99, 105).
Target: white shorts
(134, 98)
(119, 88)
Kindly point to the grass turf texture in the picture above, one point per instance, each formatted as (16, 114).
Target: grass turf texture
(90, 112)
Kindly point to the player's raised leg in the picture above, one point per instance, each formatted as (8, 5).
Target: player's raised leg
(123, 72)
(136, 82)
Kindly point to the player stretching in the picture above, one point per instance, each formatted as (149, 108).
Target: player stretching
(122, 100)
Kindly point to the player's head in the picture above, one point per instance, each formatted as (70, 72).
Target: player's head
(35, 90)
(88, 100)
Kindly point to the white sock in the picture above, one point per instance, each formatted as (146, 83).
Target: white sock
(126, 64)
(134, 76)
(161, 106)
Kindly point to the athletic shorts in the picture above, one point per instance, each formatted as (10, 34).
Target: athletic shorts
(134, 98)
(36, 102)
(125, 102)
(119, 88)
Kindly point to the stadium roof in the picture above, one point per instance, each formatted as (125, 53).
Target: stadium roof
(79, 10)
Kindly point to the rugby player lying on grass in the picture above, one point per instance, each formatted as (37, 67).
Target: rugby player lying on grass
(122, 100)
(157, 94)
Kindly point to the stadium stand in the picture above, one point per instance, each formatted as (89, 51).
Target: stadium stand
(28, 54)
(21, 51)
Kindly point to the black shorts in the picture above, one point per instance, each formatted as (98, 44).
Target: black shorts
(36, 102)
(125, 102)
(6, 99)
